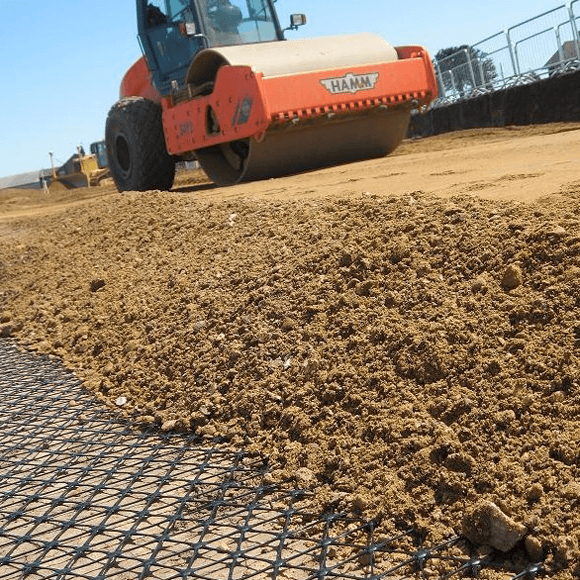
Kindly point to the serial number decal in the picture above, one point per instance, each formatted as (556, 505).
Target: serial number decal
(351, 83)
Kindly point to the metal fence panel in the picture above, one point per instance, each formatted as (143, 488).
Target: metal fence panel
(498, 49)
(533, 49)
(536, 40)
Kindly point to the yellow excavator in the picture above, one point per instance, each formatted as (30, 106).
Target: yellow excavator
(81, 169)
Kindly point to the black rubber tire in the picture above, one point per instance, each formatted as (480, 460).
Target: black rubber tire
(138, 158)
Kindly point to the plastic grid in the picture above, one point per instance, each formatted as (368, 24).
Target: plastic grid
(82, 496)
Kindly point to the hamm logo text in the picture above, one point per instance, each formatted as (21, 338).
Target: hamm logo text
(351, 83)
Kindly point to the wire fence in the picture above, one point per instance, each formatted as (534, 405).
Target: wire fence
(537, 48)
(83, 496)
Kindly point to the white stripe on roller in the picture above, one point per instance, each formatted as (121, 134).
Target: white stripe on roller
(309, 54)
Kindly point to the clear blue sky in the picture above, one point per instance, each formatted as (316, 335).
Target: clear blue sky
(62, 62)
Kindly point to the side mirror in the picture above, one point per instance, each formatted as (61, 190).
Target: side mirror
(296, 20)
(187, 28)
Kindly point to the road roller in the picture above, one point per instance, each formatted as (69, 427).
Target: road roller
(219, 83)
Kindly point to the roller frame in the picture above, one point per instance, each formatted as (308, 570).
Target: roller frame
(276, 101)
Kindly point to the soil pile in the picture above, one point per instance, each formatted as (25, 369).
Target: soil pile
(407, 357)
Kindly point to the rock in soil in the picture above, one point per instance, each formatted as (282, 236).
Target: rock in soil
(486, 524)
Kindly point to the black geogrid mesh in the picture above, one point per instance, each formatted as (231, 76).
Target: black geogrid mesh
(83, 497)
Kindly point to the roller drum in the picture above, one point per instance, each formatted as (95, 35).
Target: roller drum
(310, 143)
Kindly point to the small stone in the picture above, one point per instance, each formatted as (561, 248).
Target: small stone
(365, 559)
(276, 363)
(534, 548)
(287, 325)
(479, 284)
(572, 491)
(269, 479)
(207, 430)
(512, 277)
(359, 504)
(305, 477)
(121, 401)
(364, 288)
(311, 365)
(235, 355)
(572, 273)
(423, 268)
(5, 331)
(345, 260)
(145, 419)
(461, 462)
(97, 284)
(337, 497)
(169, 425)
(564, 546)
(400, 250)
(391, 299)
(527, 400)
(452, 209)
(486, 524)
(535, 492)
(556, 231)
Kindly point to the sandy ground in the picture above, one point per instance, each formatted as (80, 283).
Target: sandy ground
(401, 335)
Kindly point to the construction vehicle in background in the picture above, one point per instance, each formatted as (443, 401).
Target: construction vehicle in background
(219, 83)
(81, 169)
(99, 150)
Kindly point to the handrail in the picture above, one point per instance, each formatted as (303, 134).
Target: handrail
(492, 61)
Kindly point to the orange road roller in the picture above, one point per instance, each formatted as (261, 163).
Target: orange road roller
(218, 83)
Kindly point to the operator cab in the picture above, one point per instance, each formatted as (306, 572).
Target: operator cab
(171, 32)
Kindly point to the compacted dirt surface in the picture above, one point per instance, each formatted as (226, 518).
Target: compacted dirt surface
(401, 336)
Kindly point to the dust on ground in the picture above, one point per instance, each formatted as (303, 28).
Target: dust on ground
(410, 354)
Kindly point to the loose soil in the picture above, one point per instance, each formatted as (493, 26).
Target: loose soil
(400, 335)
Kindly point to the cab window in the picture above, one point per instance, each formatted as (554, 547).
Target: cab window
(238, 21)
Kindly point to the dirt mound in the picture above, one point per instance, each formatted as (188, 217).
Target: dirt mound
(408, 357)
